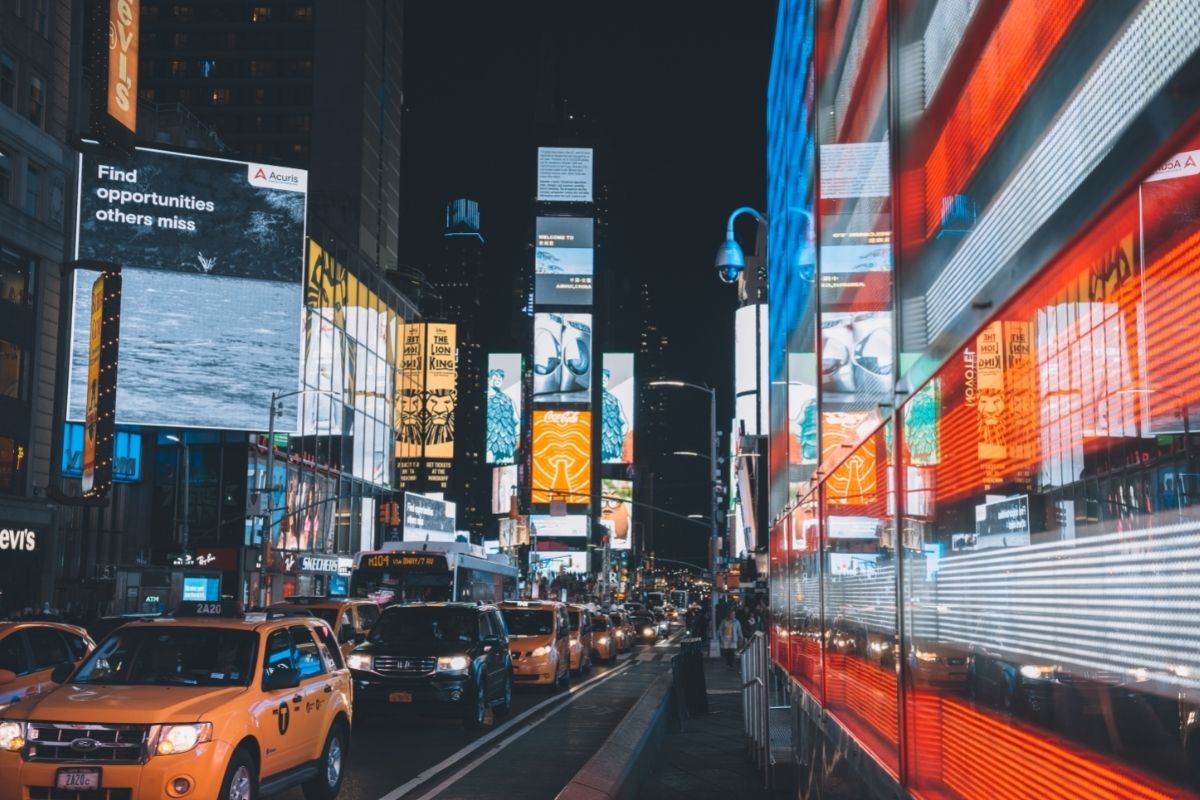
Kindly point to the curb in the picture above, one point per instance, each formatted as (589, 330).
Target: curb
(614, 770)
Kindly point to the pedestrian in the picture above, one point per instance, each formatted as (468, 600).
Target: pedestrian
(731, 637)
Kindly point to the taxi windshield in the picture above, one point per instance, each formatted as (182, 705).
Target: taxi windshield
(153, 655)
(416, 625)
(528, 623)
(599, 624)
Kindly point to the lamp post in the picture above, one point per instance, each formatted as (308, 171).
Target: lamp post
(713, 646)
(180, 440)
(264, 544)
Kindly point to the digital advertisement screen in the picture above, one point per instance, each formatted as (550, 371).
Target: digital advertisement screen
(503, 407)
(616, 404)
(203, 590)
(856, 356)
(616, 512)
(504, 486)
(562, 358)
(428, 519)
(562, 456)
(544, 525)
(555, 561)
(428, 398)
(563, 261)
(212, 261)
(564, 175)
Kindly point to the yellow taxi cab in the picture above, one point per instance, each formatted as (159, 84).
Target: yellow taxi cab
(29, 652)
(580, 647)
(604, 638)
(539, 641)
(207, 703)
(623, 630)
(351, 618)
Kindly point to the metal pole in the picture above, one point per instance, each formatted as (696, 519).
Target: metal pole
(714, 647)
(187, 488)
(266, 533)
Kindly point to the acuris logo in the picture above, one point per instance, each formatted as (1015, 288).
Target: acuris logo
(561, 417)
(270, 177)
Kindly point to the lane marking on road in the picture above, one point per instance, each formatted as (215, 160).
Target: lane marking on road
(565, 699)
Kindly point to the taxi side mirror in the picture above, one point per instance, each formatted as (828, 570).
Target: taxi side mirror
(281, 678)
(62, 671)
(7, 676)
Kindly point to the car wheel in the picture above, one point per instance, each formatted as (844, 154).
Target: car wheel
(476, 709)
(505, 705)
(241, 778)
(332, 767)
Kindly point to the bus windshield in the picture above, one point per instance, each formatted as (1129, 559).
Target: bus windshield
(403, 584)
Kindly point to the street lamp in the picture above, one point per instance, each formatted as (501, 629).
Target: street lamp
(266, 534)
(713, 646)
(689, 453)
(730, 258)
(187, 485)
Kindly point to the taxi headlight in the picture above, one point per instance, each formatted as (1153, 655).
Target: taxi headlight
(453, 663)
(603, 640)
(12, 735)
(648, 632)
(181, 738)
(542, 651)
(359, 661)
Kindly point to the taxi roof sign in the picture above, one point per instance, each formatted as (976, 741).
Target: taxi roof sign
(223, 609)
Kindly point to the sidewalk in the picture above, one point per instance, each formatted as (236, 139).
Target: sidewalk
(707, 757)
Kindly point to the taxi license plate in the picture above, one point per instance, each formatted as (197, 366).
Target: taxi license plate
(77, 779)
(400, 697)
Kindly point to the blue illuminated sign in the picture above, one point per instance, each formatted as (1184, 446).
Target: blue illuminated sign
(127, 454)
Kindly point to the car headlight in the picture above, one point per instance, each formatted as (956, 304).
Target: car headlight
(12, 735)
(544, 650)
(926, 656)
(359, 661)
(181, 738)
(648, 632)
(1034, 671)
(603, 640)
(452, 663)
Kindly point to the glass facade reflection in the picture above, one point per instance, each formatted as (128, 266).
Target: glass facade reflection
(988, 579)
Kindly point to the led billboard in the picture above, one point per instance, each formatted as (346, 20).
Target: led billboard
(504, 486)
(563, 261)
(616, 512)
(616, 406)
(555, 561)
(564, 175)
(124, 21)
(562, 358)
(544, 525)
(428, 519)
(212, 258)
(503, 407)
(425, 409)
(562, 456)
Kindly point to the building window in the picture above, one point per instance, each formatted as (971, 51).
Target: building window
(262, 69)
(6, 174)
(16, 278)
(8, 80)
(33, 189)
(37, 100)
(260, 14)
(178, 69)
(41, 18)
(12, 465)
(13, 367)
(302, 13)
(298, 122)
(182, 12)
(260, 97)
(220, 97)
(299, 69)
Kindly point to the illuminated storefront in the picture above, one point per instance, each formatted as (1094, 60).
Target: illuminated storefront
(984, 564)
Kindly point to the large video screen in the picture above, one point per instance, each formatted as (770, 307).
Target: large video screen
(562, 358)
(212, 259)
(562, 456)
(616, 405)
(616, 512)
(504, 485)
(544, 525)
(564, 175)
(563, 261)
(503, 407)
(552, 562)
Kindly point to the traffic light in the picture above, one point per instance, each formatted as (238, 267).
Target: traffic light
(389, 514)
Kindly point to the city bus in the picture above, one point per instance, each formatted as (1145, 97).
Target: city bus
(410, 572)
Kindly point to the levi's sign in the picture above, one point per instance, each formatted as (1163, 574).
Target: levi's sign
(18, 539)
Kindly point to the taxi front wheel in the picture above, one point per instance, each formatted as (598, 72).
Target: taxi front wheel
(331, 768)
(241, 778)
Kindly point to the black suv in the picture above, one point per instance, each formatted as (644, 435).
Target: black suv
(436, 658)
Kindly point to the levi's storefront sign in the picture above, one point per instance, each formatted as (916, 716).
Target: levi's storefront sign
(18, 539)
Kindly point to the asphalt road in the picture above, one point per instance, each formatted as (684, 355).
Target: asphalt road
(530, 754)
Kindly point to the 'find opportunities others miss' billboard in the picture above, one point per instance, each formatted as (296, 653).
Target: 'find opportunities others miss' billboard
(212, 258)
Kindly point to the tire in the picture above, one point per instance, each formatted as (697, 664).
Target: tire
(332, 767)
(476, 710)
(241, 778)
(504, 707)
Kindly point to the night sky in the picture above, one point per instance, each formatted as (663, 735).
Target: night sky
(674, 94)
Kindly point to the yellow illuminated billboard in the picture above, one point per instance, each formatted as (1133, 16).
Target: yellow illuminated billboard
(562, 456)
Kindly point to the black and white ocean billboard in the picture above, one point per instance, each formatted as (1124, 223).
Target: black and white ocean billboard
(212, 255)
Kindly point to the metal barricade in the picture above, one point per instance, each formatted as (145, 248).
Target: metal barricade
(755, 704)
